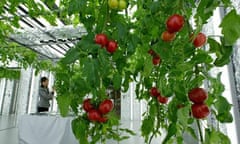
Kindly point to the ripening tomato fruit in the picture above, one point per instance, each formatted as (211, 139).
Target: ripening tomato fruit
(156, 60)
(105, 106)
(94, 115)
(122, 4)
(102, 119)
(154, 92)
(175, 23)
(197, 95)
(101, 39)
(200, 40)
(162, 99)
(200, 111)
(167, 36)
(87, 106)
(113, 4)
(112, 46)
(151, 52)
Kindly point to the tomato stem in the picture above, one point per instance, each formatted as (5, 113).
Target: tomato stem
(200, 131)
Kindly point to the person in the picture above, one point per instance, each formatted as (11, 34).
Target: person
(44, 96)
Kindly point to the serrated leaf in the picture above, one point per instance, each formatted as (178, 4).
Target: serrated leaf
(230, 27)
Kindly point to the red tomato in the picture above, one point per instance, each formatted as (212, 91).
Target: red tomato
(101, 39)
(197, 95)
(200, 111)
(151, 52)
(106, 106)
(162, 99)
(175, 23)
(87, 106)
(103, 119)
(112, 46)
(154, 92)
(156, 60)
(167, 36)
(200, 40)
(94, 115)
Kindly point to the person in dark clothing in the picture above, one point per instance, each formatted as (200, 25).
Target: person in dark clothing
(44, 96)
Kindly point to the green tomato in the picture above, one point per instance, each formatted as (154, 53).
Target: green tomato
(122, 4)
(113, 4)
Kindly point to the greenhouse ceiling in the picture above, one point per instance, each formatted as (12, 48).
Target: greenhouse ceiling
(48, 41)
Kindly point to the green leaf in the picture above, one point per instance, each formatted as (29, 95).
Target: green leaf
(196, 82)
(63, 104)
(205, 10)
(171, 131)
(192, 132)
(201, 57)
(80, 129)
(222, 104)
(147, 126)
(183, 115)
(148, 66)
(117, 81)
(75, 6)
(90, 70)
(71, 56)
(225, 117)
(230, 27)
(215, 137)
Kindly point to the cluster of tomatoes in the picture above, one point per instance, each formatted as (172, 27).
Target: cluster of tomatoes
(155, 93)
(155, 57)
(174, 24)
(199, 109)
(110, 45)
(98, 114)
(117, 4)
